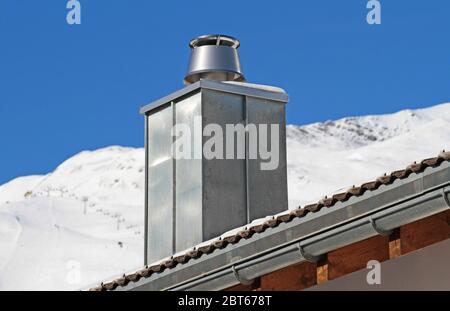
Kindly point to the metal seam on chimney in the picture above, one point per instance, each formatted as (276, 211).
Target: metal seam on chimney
(174, 189)
(247, 174)
(146, 188)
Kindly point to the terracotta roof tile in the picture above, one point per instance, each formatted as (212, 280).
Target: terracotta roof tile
(285, 218)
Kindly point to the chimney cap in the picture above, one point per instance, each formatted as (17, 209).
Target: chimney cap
(215, 40)
(214, 57)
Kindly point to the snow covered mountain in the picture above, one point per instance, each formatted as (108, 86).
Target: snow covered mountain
(83, 222)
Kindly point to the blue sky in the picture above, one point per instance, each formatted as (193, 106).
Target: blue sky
(64, 89)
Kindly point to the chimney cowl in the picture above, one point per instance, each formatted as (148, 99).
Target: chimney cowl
(214, 57)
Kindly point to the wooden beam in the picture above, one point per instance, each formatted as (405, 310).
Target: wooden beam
(395, 244)
(296, 277)
(322, 273)
(356, 256)
(425, 232)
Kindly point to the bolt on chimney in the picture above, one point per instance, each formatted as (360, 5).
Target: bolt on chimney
(194, 198)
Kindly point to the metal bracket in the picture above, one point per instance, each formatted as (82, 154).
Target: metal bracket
(240, 279)
(444, 196)
(378, 230)
(308, 257)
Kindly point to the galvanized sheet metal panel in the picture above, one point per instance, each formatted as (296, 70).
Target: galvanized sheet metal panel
(267, 188)
(224, 188)
(188, 178)
(160, 166)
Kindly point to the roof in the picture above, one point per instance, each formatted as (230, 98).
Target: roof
(407, 188)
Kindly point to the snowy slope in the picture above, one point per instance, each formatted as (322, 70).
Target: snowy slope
(327, 157)
(84, 222)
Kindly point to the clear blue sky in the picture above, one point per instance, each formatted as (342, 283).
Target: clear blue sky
(64, 89)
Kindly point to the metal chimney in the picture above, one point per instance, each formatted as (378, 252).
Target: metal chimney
(191, 200)
(214, 57)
